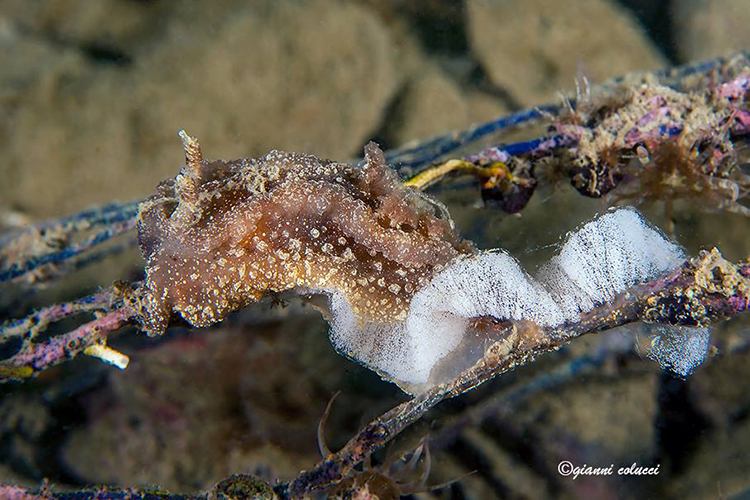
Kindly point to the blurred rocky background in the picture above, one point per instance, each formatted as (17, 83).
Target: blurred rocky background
(92, 94)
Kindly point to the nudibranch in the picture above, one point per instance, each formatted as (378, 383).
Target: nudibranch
(223, 233)
(407, 297)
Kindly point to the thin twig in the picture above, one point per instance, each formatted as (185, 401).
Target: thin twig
(115, 307)
(10, 492)
(433, 149)
(18, 269)
(31, 325)
(35, 357)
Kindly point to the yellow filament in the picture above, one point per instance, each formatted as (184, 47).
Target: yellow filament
(489, 174)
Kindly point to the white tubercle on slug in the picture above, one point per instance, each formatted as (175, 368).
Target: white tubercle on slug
(436, 340)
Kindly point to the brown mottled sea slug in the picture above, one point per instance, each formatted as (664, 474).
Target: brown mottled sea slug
(223, 233)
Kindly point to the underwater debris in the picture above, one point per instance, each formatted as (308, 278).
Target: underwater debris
(241, 487)
(636, 143)
(652, 142)
(395, 477)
